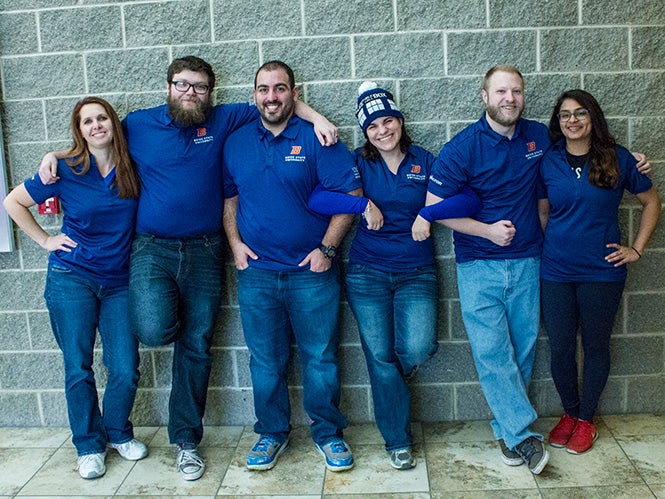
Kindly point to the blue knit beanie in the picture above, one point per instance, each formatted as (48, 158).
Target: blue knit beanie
(373, 103)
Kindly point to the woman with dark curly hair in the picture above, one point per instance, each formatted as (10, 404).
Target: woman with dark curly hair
(583, 266)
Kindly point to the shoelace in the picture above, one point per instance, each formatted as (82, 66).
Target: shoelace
(528, 449)
(262, 445)
(337, 446)
(187, 457)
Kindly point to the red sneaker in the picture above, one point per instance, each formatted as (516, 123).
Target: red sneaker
(583, 437)
(561, 433)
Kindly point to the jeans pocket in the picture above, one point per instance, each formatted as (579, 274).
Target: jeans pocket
(59, 269)
(139, 244)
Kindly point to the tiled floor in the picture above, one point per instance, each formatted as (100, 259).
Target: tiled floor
(454, 460)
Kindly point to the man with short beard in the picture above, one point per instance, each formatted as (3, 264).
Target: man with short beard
(498, 255)
(177, 257)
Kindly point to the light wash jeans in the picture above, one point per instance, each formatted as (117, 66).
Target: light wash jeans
(500, 302)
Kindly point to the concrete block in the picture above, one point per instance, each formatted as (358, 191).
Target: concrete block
(441, 99)
(646, 313)
(23, 121)
(648, 51)
(416, 15)
(432, 402)
(18, 33)
(645, 394)
(452, 363)
(19, 409)
(24, 76)
(17, 370)
(511, 14)
(361, 16)
(470, 403)
(638, 91)
(22, 291)
(78, 29)
(167, 23)
(136, 70)
(611, 12)
(303, 55)
(473, 53)
(232, 20)
(14, 331)
(586, 49)
(634, 355)
(408, 55)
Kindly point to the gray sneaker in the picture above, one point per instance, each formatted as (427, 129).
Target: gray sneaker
(189, 463)
(91, 465)
(534, 454)
(509, 457)
(402, 459)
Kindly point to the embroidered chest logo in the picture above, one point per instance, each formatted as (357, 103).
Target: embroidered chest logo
(416, 173)
(532, 150)
(295, 155)
(202, 136)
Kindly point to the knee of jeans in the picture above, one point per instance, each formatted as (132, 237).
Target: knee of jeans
(154, 333)
(123, 378)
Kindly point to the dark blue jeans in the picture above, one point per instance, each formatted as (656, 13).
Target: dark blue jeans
(78, 307)
(175, 290)
(396, 315)
(272, 304)
(591, 306)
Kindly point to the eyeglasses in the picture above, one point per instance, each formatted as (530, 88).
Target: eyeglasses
(184, 86)
(580, 114)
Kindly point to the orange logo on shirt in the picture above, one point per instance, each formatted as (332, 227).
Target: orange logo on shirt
(531, 146)
(201, 132)
(415, 168)
(295, 149)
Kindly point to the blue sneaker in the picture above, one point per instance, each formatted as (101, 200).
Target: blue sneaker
(265, 453)
(337, 454)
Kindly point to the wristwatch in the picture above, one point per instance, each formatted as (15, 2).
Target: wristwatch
(328, 251)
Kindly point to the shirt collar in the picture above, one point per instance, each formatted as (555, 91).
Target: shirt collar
(497, 137)
(290, 132)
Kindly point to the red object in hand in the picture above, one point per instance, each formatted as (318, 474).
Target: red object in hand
(49, 207)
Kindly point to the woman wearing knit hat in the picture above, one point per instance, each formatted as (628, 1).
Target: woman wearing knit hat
(391, 280)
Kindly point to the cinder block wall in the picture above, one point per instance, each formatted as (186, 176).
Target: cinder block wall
(431, 54)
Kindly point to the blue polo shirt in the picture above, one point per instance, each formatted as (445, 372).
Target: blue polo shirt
(274, 177)
(583, 218)
(180, 169)
(399, 197)
(503, 172)
(94, 217)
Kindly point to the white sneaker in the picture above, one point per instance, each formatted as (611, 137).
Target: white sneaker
(91, 465)
(190, 464)
(132, 450)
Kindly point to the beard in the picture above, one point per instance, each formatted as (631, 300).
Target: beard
(188, 117)
(281, 117)
(497, 115)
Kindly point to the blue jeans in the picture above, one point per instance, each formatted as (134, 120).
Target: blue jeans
(593, 306)
(500, 302)
(78, 307)
(396, 314)
(272, 305)
(175, 291)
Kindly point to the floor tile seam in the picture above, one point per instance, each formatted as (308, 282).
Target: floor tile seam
(25, 484)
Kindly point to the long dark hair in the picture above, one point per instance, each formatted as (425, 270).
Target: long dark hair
(78, 157)
(371, 153)
(603, 163)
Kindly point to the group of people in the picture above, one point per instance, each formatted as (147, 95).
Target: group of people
(535, 217)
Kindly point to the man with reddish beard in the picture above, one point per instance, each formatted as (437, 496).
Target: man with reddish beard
(288, 279)
(498, 255)
(177, 259)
